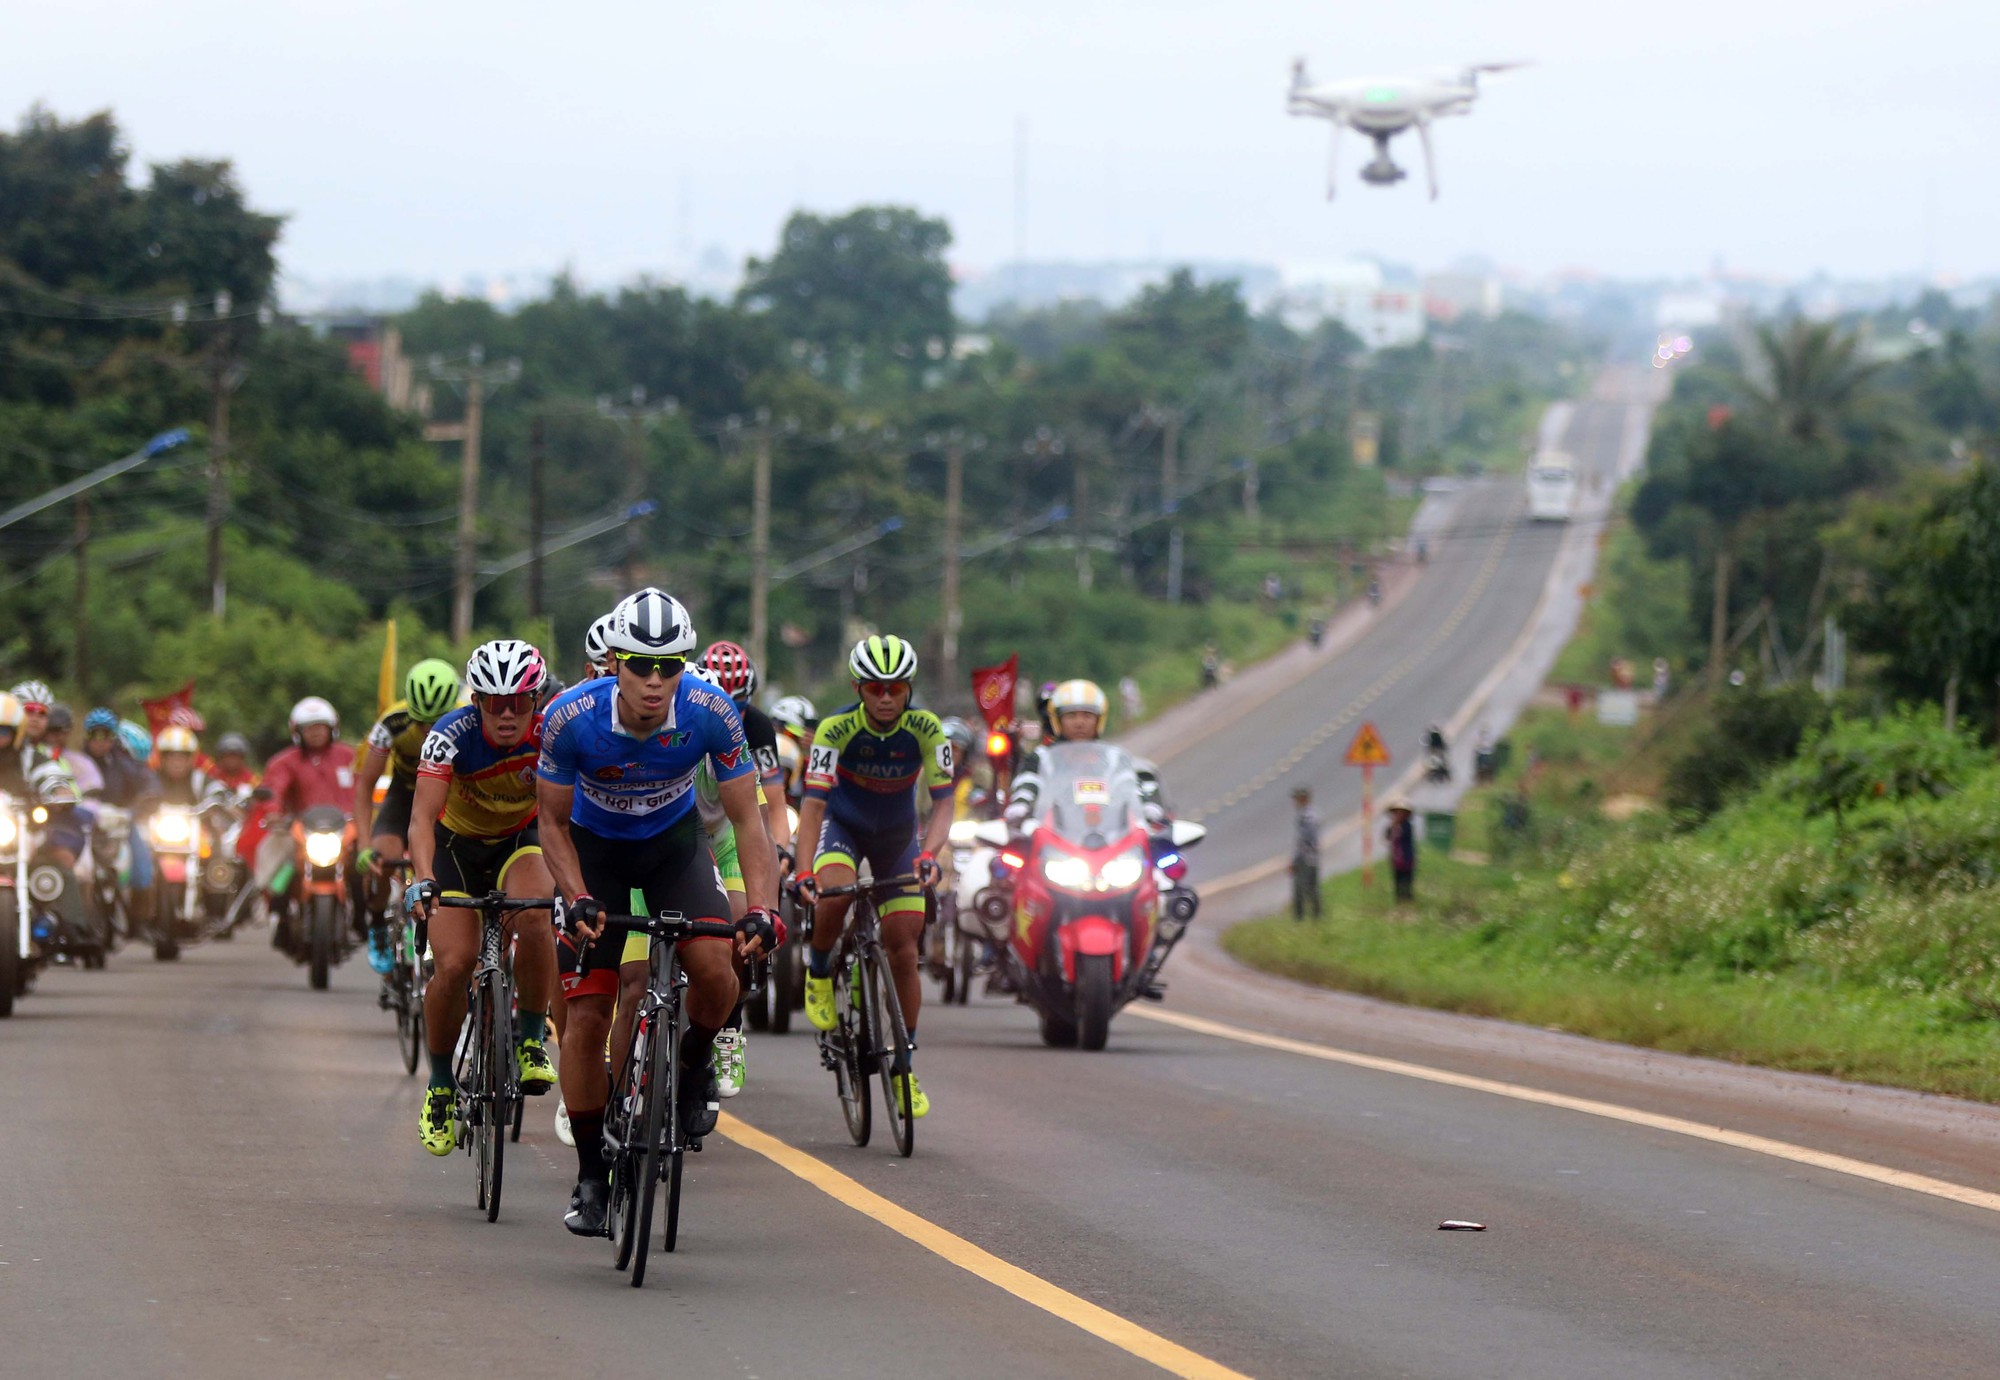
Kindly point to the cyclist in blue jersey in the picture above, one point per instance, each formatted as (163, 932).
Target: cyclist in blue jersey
(616, 792)
(863, 777)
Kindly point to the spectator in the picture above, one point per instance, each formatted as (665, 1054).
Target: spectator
(1305, 855)
(1401, 833)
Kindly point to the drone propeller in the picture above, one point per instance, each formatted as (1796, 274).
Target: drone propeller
(1499, 66)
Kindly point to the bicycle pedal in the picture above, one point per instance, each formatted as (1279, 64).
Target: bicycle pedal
(1154, 992)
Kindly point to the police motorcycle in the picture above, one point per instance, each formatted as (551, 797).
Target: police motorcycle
(323, 837)
(1087, 934)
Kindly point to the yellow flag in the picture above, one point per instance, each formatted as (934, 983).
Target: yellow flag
(385, 683)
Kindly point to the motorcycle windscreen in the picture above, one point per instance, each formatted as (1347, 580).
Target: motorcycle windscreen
(1090, 793)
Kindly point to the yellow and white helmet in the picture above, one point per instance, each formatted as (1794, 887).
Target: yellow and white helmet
(1073, 696)
(176, 738)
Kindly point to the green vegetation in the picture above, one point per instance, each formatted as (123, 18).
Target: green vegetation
(1090, 437)
(1763, 873)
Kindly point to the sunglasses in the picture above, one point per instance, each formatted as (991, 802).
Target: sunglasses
(507, 704)
(646, 667)
(882, 687)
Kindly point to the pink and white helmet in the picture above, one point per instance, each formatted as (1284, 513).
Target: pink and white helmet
(506, 666)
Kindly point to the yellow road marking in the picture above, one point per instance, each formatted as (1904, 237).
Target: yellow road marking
(1610, 1111)
(1122, 1333)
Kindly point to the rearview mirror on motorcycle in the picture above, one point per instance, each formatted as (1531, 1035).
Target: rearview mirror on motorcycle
(1183, 832)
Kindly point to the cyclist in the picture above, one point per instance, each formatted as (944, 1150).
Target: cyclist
(860, 803)
(795, 719)
(729, 666)
(430, 692)
(472, 830)
(596, 656)
(616, 794)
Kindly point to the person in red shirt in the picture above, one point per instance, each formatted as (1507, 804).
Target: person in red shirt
(317, 769)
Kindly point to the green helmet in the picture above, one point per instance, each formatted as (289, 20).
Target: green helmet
(432, 690)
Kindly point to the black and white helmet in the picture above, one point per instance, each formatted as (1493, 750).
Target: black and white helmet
(594, 650)
(650, 623)
(506, 666)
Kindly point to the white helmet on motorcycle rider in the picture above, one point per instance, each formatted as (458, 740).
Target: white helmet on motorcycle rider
(313, 710)
(1078, 697)
(176, 738)
(52, 783)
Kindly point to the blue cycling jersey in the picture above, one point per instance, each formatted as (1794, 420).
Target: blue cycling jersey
(632, 788)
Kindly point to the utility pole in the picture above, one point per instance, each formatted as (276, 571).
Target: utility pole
(1718, 632)
(226, 376)
(1170, 461)
(476, 376)
(954, 528)
(80, 662)
(1174, 559)
(760, 542)
(639, 418)
(537, 513)
(1081, 515)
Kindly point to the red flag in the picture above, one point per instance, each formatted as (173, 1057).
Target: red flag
(177, 708)
(993, 687)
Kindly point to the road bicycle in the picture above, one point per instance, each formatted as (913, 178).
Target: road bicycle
(869, 1037)
(643, 1139)
(489, 1072)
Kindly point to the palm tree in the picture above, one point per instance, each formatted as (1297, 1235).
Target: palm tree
(1809, 379)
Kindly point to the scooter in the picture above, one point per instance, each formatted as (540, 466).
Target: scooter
(1086, 899)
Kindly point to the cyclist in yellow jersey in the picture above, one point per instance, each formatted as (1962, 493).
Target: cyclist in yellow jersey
(430, 692)
(472, 830)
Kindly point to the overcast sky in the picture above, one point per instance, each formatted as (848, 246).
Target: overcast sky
(439, 138)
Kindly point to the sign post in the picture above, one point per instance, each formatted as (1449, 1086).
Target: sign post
(1367, 752)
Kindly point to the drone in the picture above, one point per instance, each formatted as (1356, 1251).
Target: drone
(1382, 108)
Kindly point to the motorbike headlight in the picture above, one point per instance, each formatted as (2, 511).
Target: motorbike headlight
(172, 828)
(964, 832)
(10, 832)
(323, 850)
(1066, 871)
(1122, 872)
(40, 814)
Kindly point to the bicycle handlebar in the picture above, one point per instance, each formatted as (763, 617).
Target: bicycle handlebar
(885, 884)
(498, 902)
(671, 927)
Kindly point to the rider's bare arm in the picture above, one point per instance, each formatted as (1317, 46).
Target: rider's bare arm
(364, 785)
(425, 810)
(558, 849)
(754, 853)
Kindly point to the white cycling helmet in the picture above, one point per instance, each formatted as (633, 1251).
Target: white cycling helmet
(314, 710)
(882, 657)
(650, 623)
(506, 666)
(795, 712)
(52, 783)
(594, 650)
(33, 693)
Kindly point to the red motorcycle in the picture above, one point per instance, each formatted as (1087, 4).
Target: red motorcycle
(1086, 898)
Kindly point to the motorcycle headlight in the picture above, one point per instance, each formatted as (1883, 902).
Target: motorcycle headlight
(1066, 871)
(964, 832)
(323, 850)
(10, 832)
(172, 828)
(41, 814)
(1122, 872)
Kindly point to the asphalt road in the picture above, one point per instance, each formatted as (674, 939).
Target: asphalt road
(211, 1171)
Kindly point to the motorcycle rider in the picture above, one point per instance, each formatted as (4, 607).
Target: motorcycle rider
(396, 741)
(1437, 754)
(36, 700)
(1078, 709)
(182, 781)
(131, 786)
(232, 763)
(55, 746)
(317, 769)
(13, 780)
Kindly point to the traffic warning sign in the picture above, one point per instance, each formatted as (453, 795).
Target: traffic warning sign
(1367, 749)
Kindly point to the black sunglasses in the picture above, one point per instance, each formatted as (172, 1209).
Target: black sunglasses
(644, 667)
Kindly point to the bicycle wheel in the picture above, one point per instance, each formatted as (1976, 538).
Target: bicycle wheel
(673, 1231)
(413, 1027)
(501, 1075)
(619, 1121)
(892, 1042)
(851, 1039)
(661, 1067)
(473, 1045)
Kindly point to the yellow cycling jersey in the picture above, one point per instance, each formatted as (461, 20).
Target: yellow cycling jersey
(401, 735)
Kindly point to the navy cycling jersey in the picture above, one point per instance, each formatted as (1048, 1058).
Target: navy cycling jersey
(632, 788)
(869, 777)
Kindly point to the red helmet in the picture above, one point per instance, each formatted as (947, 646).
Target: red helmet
(730, 665)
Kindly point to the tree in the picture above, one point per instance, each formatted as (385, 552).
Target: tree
(1809, 379)
(875, 278)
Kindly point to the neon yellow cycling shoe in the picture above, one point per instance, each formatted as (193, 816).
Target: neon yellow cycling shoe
(819, 1002)
(919, 1104)
(538, 1074)
(434, 1122)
